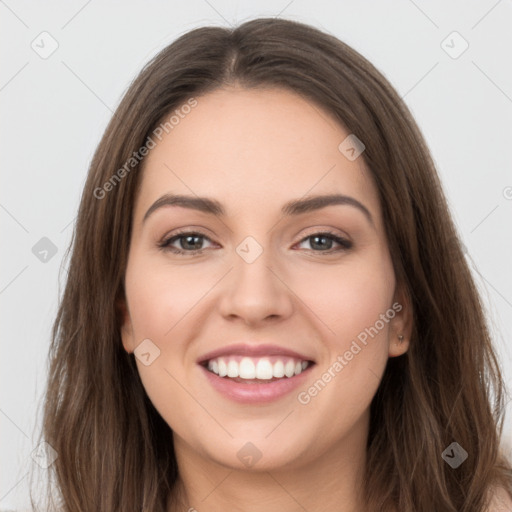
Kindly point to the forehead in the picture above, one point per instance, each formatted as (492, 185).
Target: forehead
(247, 148)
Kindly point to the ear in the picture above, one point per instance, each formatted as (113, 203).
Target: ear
(400, 330)
(125, 325)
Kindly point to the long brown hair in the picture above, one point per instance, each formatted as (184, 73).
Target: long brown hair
(115, 452)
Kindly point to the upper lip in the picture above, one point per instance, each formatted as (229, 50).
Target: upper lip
(252, 351)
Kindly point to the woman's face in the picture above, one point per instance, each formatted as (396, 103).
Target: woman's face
(269, 292)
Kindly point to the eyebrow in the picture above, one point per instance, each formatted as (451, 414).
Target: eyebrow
(294, 207)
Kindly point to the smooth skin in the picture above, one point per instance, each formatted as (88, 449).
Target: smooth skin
(253, 151)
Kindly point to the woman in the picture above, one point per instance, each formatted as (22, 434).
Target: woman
(267, 304)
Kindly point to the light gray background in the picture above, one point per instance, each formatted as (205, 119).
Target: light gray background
(54, 112)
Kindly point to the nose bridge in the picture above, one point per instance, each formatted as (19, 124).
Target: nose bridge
(253, 290)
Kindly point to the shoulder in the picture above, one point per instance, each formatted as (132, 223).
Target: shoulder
(501, 501)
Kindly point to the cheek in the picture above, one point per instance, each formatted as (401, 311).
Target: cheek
(158, 302)
(350, 298)
(159, 298)
(164, 302)
(353, 302)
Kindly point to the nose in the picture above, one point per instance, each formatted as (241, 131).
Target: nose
(255, 293)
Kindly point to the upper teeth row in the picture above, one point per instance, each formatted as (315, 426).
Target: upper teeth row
(247, 368)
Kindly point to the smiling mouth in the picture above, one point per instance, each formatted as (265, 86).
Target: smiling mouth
(256, 370)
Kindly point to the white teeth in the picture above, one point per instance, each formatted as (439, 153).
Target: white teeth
(247, 370)
(278, 369)
(264, 369)
(223, 368)
(289, 369)
(232, 369)
(256, 368)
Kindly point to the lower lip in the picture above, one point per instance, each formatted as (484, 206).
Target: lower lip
(251, 393)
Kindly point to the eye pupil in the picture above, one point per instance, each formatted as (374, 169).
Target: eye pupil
(321, 245)
(195, 245)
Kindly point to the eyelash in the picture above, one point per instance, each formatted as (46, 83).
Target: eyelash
(165, 244)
